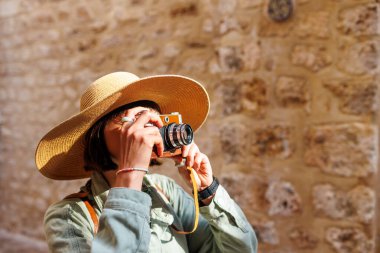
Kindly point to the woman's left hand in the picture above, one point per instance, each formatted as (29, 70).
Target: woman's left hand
(201, 165)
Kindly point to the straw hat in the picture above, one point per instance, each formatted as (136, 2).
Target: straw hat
(59, 154)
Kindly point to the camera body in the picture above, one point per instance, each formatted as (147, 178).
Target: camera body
(174, 134)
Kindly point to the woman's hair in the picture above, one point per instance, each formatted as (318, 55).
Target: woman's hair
(96, 154)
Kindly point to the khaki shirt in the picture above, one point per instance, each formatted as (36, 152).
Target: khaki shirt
(142, 221)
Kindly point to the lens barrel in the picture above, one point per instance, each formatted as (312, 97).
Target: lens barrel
(176, 135)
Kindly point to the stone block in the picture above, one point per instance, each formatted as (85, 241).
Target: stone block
(363, 201)
(228, 24)
(193, 64)
(311, 57)
(303, 239)
(9, 8)
(13, 242)
(251, 55)
(42, 19)
(229, 94)
(266, 231)
(184, 9)
(349, 240)
(283, 199)
(254, 98)
(355, 96)
(357, 204)
(249, 96)
(230, 59)
(226, 7)
(345, 149)
(291, 91)
(171, 50)
(359, 58)
(233, 139)
(314, 24)
(360, 20)
(271, 141)
(331, 201)
(51, 35)
(247, 189)
(208, 25)
(12, 41)
(83, 14)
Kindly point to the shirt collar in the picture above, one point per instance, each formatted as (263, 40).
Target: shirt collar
(99, 188)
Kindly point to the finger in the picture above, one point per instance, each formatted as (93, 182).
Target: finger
(152, 137)
(186, 149)
(156, 120)
(198, 161)
(190, 157)
(148, 117)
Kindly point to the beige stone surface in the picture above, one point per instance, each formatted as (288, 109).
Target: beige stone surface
(345, 149)
(355, 96)
(358, 204)
(345, 240)
(293, 127)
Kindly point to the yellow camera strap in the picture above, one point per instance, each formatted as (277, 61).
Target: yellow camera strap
(196, 203)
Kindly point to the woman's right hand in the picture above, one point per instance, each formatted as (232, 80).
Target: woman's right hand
(136, 144)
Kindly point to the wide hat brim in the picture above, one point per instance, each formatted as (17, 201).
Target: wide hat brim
(59, 154)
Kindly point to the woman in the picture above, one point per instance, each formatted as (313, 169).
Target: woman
(121, 208)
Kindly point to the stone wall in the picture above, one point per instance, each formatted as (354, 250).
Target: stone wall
(293, 127)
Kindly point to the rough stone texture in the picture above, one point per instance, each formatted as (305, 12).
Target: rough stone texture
(311, 57)
(344, 150)
(303, 239)
(251, 55)
(363, 201)
(247, 190)
(247, 97)
(269, 83)
(360, 20)
(291, 91)
(266, 232)
(357, 204)
(271, 141)
(348, 240)
(355, 96)
(359, 58)
(331, 202)
(316, 24)
(283, 199)
(14, 243)
(230, 59)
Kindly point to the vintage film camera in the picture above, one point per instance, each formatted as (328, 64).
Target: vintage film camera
(174, 134)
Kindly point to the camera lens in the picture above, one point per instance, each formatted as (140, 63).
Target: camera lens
(176, 135)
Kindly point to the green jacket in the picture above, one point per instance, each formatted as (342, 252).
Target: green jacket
(134, 221)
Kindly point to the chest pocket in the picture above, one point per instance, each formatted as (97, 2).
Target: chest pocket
(160, 223)
(161, 216)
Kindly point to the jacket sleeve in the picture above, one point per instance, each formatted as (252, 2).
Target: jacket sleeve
(123, 225)
(222, 225)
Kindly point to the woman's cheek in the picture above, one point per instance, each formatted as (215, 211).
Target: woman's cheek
(112, 139)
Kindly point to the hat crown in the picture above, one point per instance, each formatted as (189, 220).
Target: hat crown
(104, 87)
